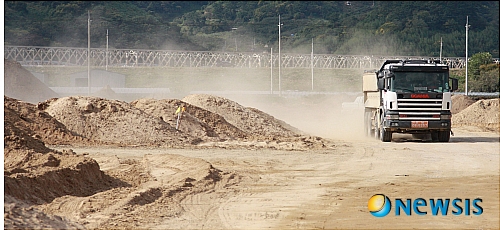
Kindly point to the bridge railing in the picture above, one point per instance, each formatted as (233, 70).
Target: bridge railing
(67, 56)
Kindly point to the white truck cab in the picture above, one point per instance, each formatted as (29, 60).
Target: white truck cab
(410, 96)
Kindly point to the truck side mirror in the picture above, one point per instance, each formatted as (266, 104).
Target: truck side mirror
(380, 83)
(454, 84)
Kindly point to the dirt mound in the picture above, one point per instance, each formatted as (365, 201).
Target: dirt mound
(196, 121)
(113, 121)
(19, 83)
(460, 102)
(38, 126)
(43, 177)
(251, 121)
(483, 113)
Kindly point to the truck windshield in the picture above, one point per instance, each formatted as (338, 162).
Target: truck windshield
(414, 82)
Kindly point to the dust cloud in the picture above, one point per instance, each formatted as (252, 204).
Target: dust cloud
(318, 114)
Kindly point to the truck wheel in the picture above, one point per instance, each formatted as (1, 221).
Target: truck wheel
(377, 128)
(385, 136)
(444, 136)
(368, 125)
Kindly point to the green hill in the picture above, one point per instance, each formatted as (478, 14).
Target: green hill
(337, 27)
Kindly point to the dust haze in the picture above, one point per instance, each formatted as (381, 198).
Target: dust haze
(316, 114)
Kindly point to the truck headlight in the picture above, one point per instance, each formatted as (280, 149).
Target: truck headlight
(392, 116)
(445, 116)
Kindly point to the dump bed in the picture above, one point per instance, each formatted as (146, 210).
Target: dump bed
(371, 94)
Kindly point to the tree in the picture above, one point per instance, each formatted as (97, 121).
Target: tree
(476, 61)
(488, 79)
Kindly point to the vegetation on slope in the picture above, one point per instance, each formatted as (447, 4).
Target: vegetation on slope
(360, 27)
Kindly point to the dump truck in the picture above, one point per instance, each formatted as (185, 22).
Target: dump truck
(408, 96)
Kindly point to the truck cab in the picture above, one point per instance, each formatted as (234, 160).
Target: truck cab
(415, 98)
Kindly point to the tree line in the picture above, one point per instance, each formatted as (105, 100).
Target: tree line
(406, 28)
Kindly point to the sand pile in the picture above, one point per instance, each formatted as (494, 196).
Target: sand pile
(19, 83)
(460, 102)
(112, 121)
(215, 122)
(196, 122)
(251, 121)
(229, 125)
(483, 113)
(38, 125)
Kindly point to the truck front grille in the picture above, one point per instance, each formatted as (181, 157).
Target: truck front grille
(419, 109)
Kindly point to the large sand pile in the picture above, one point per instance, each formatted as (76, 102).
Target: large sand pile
(19, 83)
(483, 114)
(114, 122)
(195, 121)
(222, 123)
(82, 120)
(38, 125)
(249, 120)
(460, 102)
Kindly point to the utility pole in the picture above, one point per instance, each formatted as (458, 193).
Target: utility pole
(279, 54)
(312, 64)
(88, 53)
(466, 55)
(253, 45)
(235, 42)
(271, 70)
(441, 50)
(107, 41)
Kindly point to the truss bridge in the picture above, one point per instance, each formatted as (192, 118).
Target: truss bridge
(100, 57)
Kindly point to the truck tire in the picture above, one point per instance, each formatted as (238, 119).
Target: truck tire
(377, 128)
(368, 125)
(385, 136)
(444, 136)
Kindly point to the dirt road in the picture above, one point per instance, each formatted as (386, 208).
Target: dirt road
(259, 189)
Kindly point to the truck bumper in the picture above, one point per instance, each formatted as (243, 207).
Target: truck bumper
(404, 126)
